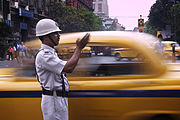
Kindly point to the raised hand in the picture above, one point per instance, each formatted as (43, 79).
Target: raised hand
(81, 43)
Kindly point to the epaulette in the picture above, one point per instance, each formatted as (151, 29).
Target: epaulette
(46, 51)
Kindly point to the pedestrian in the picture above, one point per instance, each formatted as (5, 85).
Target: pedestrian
(10, 53)
(50, 70)
(158, 46)
(22, 52)
(15, 52)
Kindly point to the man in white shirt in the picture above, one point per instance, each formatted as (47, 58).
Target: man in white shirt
(50, 70)
(158, 46)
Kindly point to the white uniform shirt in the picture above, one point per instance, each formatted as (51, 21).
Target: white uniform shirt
(158, 47)
(49, 68)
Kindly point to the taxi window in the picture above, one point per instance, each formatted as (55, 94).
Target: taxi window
(108, 61)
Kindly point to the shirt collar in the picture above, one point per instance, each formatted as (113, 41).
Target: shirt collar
(43, 46)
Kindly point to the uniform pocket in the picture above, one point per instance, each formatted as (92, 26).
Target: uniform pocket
(61, 104)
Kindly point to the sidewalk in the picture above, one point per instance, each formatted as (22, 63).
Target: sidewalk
(9, 64)
(14, 63)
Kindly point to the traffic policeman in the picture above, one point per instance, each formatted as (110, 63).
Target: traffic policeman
(50, 70)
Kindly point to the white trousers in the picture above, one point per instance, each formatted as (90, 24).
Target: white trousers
(54, 107)
(22, 54)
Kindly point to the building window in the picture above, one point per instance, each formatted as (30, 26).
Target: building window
(99, 7)
(94, 0)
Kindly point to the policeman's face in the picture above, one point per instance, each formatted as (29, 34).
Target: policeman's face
(55, 36)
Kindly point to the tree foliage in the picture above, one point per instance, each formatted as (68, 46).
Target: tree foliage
(160, 13)
(74, 20)
(150, 29)
(175, 15)
(165, 12)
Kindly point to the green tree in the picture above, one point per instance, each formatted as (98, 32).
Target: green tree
(165, 12)
(5, 33)
(175, 21)
(73, 20)
(160, 13)
(91, 21)
(150, 29)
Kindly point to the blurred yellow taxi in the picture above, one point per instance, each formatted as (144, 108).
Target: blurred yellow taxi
(168, 48)
(128, 53)
(68, 51)
(102, 88)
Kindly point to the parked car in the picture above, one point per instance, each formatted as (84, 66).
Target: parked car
(168, 48)
(101, 88)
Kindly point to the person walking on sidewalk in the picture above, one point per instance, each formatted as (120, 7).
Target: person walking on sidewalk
(50, 70)
(22, 52)
(10, 53)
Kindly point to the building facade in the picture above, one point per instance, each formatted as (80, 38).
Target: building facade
(87, 4)
(117, 26)
(23, 15)
(101, 8)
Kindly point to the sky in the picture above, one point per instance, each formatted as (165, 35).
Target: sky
(128, 11)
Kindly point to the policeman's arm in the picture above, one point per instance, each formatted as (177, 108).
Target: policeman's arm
(72, 62)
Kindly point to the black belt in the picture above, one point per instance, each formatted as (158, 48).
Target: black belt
(58, 93)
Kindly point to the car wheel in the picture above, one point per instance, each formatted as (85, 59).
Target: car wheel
(117, 57)
(162, 117)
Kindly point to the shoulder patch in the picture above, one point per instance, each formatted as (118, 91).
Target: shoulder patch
(46, 52)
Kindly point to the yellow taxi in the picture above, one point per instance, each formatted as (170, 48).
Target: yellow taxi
(168, 48)
(128, 53)
(66, 52)
(101, 88)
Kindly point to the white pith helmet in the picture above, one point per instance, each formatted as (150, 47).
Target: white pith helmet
(46, 26)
